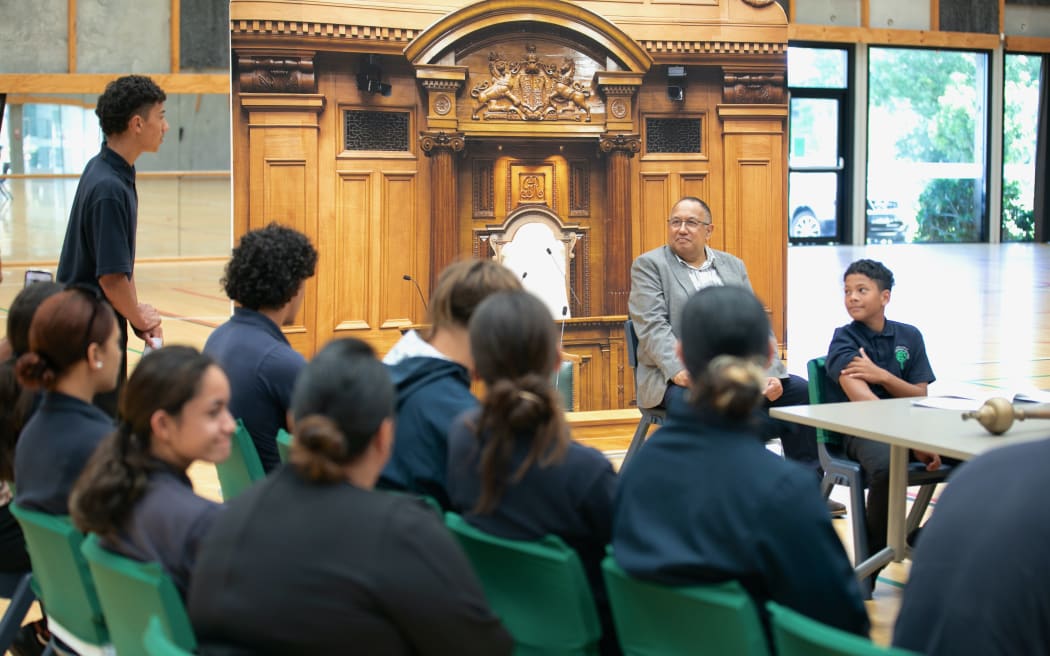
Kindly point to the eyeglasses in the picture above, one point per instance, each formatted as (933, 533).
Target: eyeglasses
(690, 224)
(95, 296)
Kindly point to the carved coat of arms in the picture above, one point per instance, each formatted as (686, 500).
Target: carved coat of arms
(530, 90)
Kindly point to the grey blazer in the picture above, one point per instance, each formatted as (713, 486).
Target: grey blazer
(660, 286)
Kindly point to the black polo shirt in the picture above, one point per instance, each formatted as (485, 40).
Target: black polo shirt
(100, 237)
(899, 349)
(53, 449)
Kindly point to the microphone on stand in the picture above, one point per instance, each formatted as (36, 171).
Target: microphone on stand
(562, 273)
(524, 274)
(564, 315)
(413, 281)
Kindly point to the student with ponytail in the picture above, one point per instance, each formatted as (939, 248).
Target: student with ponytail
(513, 470)
(705, 501)
(74, 353)
(313, 560)
(134, 492)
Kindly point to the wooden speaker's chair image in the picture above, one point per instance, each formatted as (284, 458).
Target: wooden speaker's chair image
(157, 643)
(65, 586)
(284, 444)
(794, 634)
(16, 588)
(659, 620)
(650, 416)
(841, 470)
(537, 588)
(243, 467)
(132, 592)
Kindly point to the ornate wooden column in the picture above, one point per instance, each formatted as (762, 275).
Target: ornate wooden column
(441, 148)
(441, 142)
(619, 144)
(754, 128)
(619, 149)
(277, 94)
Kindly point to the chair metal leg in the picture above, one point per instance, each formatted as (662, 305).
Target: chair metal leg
(640, 434)
(918, 507)
(21, 600)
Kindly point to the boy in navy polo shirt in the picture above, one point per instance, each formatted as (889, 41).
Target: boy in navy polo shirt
(99, 248)
(876, 358)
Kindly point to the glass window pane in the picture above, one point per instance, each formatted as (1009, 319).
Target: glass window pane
(814, 132)
(927, 144)
(812, 198)
(820, 68)
(1020, 122)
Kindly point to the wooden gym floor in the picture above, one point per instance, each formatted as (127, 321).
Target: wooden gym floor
(984, 310)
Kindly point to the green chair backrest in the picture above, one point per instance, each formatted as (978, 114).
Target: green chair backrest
(61, 574)
(660, 620)
(243, 467)
(818, 393)
(157, 642)
(563, 381)
(131, 593)
(284, 444)
(538, 589)
(794, 634)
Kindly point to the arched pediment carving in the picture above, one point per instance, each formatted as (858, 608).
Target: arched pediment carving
(468, 23)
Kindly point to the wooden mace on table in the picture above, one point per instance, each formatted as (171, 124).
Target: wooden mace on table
(998, 414)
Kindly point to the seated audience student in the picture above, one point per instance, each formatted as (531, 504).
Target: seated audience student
(16, 407)
(134, 492)
(513, 470)
(706, 502)
(74, 353)
(265, 277)
(980, 578)
(312, 560)
(432, 377)
(662, 280)
(871, 358)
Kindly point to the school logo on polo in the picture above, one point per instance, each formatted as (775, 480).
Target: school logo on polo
(902, 355)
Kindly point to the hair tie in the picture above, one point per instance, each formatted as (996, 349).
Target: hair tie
(526, 395)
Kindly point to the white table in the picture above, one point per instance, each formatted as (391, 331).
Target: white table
(904, 426)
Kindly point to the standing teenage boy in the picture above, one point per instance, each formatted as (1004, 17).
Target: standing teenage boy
(876, 358)
(99, 248)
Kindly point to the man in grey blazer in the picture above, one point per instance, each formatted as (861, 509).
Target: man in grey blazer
(662, 280)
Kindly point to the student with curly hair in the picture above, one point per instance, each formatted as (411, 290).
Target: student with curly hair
(266, 278)
(74, 354)
(99, 248)
(705, 501)
(134, 492)
(432, 373)
(313, 560)
(513, 470)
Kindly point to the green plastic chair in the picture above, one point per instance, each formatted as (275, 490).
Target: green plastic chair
(132, 592)
(794, 634)
(243, 467)
(157, 643)
(63, 580)
(284, 444)
(538, 589)
(659, 620)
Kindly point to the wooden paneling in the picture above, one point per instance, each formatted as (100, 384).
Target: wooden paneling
(353, 241)
(399, 232)
(606, 380)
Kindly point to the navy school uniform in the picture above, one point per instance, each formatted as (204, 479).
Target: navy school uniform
(705, 501)
(53, 448)
(166, 525)
(262, 367)
(571, 499)
(100, 239)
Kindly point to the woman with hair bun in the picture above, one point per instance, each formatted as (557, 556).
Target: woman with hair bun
(704, 501)
(313, 560)
(513, 470)
(134, 492)
(74, 354)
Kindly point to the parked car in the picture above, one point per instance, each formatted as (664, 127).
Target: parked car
(884, 221)
(812, 203)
